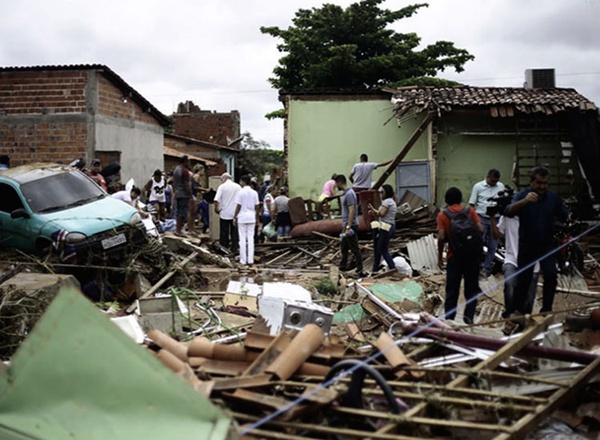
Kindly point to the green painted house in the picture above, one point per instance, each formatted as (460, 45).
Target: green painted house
(459, 133)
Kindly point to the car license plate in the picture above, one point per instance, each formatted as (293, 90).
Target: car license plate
(111, 242)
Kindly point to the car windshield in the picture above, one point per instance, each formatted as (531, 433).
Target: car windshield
(60, 191)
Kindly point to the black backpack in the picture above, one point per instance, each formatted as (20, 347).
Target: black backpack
(465, 238)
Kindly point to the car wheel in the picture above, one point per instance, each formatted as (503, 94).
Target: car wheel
(43, 247)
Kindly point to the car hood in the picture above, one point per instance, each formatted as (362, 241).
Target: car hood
(92, 218)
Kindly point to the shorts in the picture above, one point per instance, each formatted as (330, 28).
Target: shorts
(156, 202)
(324, 198)
(182, 206)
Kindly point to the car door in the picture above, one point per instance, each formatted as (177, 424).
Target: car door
(14, 232)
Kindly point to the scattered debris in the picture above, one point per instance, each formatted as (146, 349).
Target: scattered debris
(293, 347)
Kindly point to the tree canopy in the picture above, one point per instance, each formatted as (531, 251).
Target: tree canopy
(354, 49)
(257, 158)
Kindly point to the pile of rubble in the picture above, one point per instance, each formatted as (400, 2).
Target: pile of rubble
(292, 348)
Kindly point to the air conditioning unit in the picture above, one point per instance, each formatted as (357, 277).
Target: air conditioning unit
(540, 79)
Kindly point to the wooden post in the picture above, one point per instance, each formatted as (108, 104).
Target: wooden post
(413, 139)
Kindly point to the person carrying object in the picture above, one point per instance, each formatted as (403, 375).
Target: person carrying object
(384, 227)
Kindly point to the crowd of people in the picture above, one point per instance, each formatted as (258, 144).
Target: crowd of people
(525, 223)
(467, 239)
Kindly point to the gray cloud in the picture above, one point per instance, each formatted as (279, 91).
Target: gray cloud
(212, 51)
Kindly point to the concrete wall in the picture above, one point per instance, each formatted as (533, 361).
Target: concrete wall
(141, 147)
(326, 135)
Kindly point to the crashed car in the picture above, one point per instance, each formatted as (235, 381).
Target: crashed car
(55, 207)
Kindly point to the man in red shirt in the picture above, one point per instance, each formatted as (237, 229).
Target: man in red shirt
(95, 174)
(459, 264)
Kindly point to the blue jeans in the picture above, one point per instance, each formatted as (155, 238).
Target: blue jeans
(458, 268)
(510, 287)
(381, 243)
(491, 243)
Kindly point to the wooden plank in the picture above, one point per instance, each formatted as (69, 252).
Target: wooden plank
(242, 382)
(409, 144)
(162, 281)
(307, 427)
(520, 429)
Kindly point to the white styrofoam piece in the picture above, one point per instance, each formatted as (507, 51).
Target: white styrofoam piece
(131, 327)
(287, 291)
(243, 288)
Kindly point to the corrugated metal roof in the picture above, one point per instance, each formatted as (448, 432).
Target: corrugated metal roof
(190, 140)
(119, 82)
(175, 153)
(423, 255)
(501, 101)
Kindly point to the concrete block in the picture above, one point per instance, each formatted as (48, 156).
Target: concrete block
(216, 277)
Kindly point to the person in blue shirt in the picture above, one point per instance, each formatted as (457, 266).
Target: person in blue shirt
(537, 207)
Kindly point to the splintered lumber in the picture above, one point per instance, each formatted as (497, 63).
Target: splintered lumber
(169, 275)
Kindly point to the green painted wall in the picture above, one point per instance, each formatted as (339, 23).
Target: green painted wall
(463, 158)
(328, 136)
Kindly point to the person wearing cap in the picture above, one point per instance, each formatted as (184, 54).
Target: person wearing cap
(95, 175)
(225, 204)
(155, 193)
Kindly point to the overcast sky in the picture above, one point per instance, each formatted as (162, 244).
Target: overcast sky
(212, 51)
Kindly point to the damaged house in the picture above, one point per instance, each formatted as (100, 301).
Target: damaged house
(447, 136)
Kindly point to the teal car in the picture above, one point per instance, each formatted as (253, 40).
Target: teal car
(55, 207)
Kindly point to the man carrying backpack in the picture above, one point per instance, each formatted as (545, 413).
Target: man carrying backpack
(461, 228)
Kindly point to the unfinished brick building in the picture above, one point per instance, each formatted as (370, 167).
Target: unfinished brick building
(222, 129)
(59, 113)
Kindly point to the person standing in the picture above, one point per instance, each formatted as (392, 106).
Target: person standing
(462, 262)
(537, 207)
(349, 233)
(155, 193)
(386, 227)
(482, 192)
(95, 175)
(508, 228)
(267, 204)
(361, 175)
(245, 218)
(281, 212)
(225, 203)
(182, 188)
(327, 194)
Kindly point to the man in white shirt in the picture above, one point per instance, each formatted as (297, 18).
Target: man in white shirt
(246, 214)
(225, 203)
(480, 200)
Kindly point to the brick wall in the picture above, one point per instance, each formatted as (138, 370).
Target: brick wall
(219, 128)
(42, 142)
(112, 102)
(23, 93)
(42, 116)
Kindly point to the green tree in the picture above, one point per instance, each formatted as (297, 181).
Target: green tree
(257, 158)
(331, 48)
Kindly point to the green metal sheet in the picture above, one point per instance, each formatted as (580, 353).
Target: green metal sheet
(397, 292)
(77, 376)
